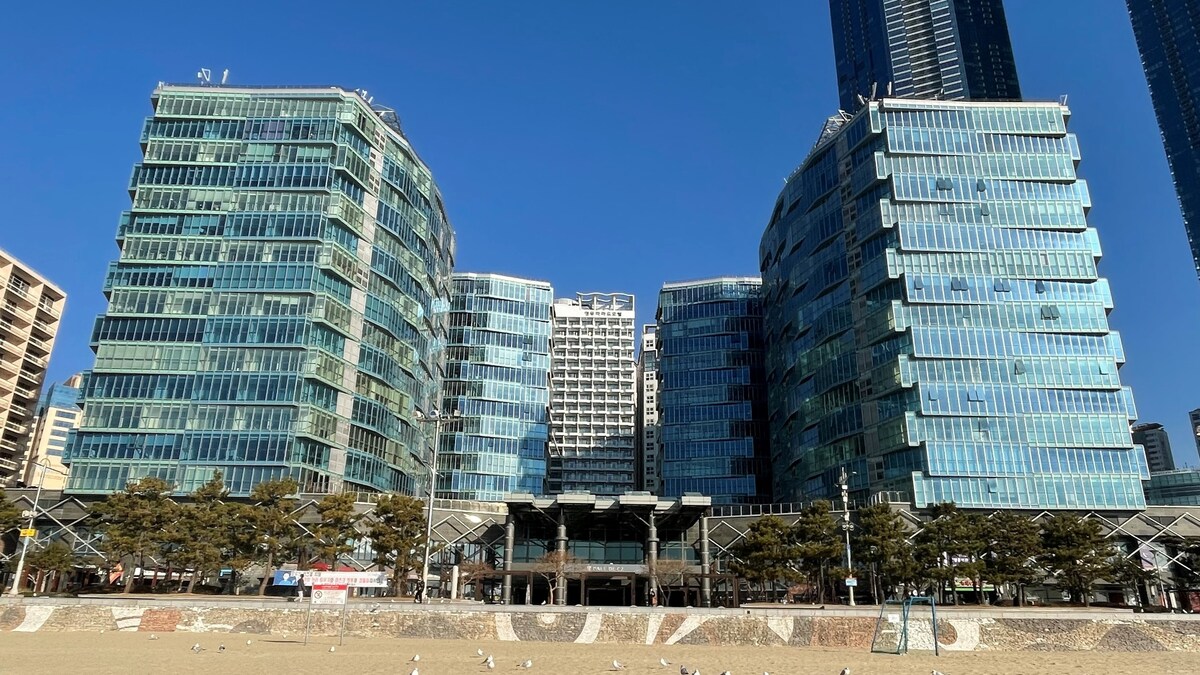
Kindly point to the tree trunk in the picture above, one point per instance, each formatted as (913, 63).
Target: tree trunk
(128, 582)
(262, 586)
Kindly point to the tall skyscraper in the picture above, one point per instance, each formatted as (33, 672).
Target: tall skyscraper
(1194, 420)
(949, 49)
(1153, 438)
(712, 396)
(280, 302)
(30, 308)
(498, 380)
(58, 414)
(1167, 32)
(934, 318)
(591, 395)
(648, 428)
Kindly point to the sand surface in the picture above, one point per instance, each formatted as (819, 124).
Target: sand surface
(78, 653)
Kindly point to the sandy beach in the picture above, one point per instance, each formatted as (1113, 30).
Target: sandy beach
(115, 652)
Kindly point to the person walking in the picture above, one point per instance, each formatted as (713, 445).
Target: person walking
(300, 589)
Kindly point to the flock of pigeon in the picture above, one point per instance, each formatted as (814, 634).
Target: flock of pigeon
(489, 662)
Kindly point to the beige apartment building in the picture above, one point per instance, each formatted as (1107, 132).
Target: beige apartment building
(30, 309)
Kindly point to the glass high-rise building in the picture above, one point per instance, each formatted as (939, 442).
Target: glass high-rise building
(947, 49)
(58, 414)
(712, 391)
(1167, 32)
(592, 389)
(498, 380)
(279, 305)
(934, 318)
(1157, 444)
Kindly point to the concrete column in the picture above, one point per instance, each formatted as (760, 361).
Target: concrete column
(705, 563)
(652, 553)
(560, 545)
(510, 536)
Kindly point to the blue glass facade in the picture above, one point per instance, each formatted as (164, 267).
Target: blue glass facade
(279, 305)
(948, 49)
(1166, 32)
(712, 394)
(498, 379)
(934, 318)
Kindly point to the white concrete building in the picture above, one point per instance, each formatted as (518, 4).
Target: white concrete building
(649, 443)
(592, 391)
(30, 308)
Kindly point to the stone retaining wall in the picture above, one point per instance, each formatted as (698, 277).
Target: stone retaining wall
(1006, 631)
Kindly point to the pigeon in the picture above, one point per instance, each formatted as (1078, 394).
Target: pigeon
(479, 652)
(937, 672)
(526, 664)
(726, 673)
(683, 670)
(221, 649)
(415, 658)
(153, 637)
(845, 671)
(197, 648)
(491, 665)
(617, 665)
(331, 649)
(375, 608)
(664, 663)
(486, 661)
(248, 642)
(414, 672)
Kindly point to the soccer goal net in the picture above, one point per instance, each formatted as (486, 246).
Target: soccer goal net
(904, 624)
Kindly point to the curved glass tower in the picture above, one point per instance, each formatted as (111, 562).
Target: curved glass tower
(934, 318)
(279, 304)
(712, 395)
(498, 379)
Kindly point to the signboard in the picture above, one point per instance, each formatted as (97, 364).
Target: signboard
(28, 532)
(851, 582)
(357, 579)
(329, 594)
(616, 569)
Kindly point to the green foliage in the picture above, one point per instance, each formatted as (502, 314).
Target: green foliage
(1014, 543)
(10, 515)
(818, 543)
(275, 532)
(1076, 553)
(336, 533)
(397, 533)
(882, 542)
(137, 522)
(57, 557)
(767, 553)
(951, 546)
(206, 534)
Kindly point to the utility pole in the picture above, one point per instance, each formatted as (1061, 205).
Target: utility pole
(37, 500)
(438, 420)
(847, 526)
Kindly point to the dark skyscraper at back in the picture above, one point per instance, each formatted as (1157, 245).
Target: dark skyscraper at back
(1166, 32)
(949, 49)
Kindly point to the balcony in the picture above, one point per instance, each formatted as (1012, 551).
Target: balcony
(12, 308)
(24, 392)
(43, 327)
(39, 345)
(49, 309)
(38, 361)
(19, 291)
(15, 428)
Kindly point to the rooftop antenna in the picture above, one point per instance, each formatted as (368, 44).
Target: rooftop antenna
(225, 76)
(1062, 100)
(204, 75)
(861, 100)
(874, 86)
(889, 90)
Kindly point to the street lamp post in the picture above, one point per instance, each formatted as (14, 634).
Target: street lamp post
(37, 500)
(437, 420)
(847, 526)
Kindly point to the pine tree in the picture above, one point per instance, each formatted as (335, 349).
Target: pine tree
(767, 554)
(336, 533)
(275, 530)
(819, 544)
(136, 522)
(397, 532)
(1076, 553)
(881, 541)
(10, 515)
(1014, 543)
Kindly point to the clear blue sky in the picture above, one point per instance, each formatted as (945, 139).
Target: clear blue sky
(612, 146)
